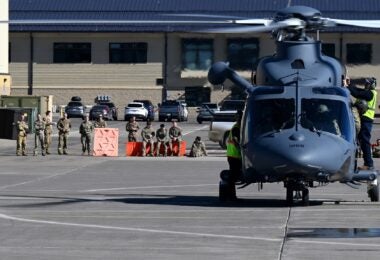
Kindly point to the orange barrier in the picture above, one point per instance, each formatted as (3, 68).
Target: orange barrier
(106, 142)
(135, 149)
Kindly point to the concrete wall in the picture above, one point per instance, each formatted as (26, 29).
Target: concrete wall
(4, 35)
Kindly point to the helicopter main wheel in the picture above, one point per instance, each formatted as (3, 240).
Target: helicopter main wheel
(373, 192)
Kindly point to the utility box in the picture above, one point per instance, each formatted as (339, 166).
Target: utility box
(9, 118)
(42, 103)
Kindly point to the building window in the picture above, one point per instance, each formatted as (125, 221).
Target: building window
(328, 49)
(131, 52)
(359, 53)
(197, 54)
(242, 53)
(72, 52)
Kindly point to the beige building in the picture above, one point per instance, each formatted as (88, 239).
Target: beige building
(153, 64)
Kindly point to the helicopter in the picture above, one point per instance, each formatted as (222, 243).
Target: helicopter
(297, 126)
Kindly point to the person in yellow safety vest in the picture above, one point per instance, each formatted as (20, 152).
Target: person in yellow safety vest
(233, 149)
(368, 94)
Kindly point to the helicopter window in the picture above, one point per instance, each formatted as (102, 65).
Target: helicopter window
(197, 54)
(359, 53)
(273, 115)
(242, 53)
(326, 116)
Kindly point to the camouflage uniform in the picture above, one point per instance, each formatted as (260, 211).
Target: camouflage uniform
(86, 129)
(175, 135)
(22, 129)
(132, 128)
(39, 136)
(198, 149)
(63, 125)
(100, 123)
(48, 132)
(147, 134)
(161, 135)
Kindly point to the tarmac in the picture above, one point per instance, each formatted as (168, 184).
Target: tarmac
(84, 207)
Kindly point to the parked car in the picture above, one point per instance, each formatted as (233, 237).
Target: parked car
(137, 110)
(149, 106)
(204, 112)
(75, 109)
(106, 100)
(100, 110)
(171, 109)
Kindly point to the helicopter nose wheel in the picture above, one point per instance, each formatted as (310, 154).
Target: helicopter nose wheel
(373, 190)
(297, 191)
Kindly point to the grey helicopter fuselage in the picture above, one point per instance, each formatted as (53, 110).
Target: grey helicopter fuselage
(281, 139)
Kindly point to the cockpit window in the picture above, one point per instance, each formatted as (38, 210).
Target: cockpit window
(326, 115)
(273, 115)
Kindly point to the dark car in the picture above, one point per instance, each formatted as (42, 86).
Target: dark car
(204, 113)
(171, 109)
(112, 107)
(149, 106)
(100, 110)
(75, 109)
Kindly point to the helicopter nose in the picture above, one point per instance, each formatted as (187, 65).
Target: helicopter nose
(301, 153)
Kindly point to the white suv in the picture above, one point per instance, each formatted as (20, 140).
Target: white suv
(135, 109)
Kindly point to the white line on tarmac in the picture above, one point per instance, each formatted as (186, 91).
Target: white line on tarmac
(46, 177)
(149, 187)
(195, 130)
(7, 217)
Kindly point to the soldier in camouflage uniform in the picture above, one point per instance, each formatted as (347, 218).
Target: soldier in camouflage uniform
(147, 134)
(64, 126)
(161, 135)
(132, 127)
(48, 131)
(85, 130)
(100, 123)
(39, 136)
(198, 148)
(22, 129)
(175, 135)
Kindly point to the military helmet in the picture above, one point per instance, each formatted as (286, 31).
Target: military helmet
(322, 108)
(361, 105)
(370, 82)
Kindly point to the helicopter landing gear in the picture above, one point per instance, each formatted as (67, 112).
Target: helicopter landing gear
(227, 189)
(373, 191)
(297, 191)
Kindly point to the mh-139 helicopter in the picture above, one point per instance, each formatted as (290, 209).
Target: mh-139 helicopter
(297, 126)
(283, 138)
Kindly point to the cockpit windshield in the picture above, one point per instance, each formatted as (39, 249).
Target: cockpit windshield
(326, 115)
(273, 115)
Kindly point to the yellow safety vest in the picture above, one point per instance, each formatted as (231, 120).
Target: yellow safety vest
(232, 149)
(371, 106)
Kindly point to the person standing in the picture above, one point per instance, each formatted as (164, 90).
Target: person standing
(100, 123)
(85, 129)
(147, 134)
(39, 135)
(175, 136)
(161, 136)
(64, 126)
(233, 149)
(48, 131)
(132, 127)
(22, 133)
(198, 149)
(369, 94)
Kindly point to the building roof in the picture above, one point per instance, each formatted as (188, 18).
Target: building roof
(161, 10)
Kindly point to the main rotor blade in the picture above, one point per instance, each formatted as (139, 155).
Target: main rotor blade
(54, 22)
(207, 16)
(359, 23)
(292, 23)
